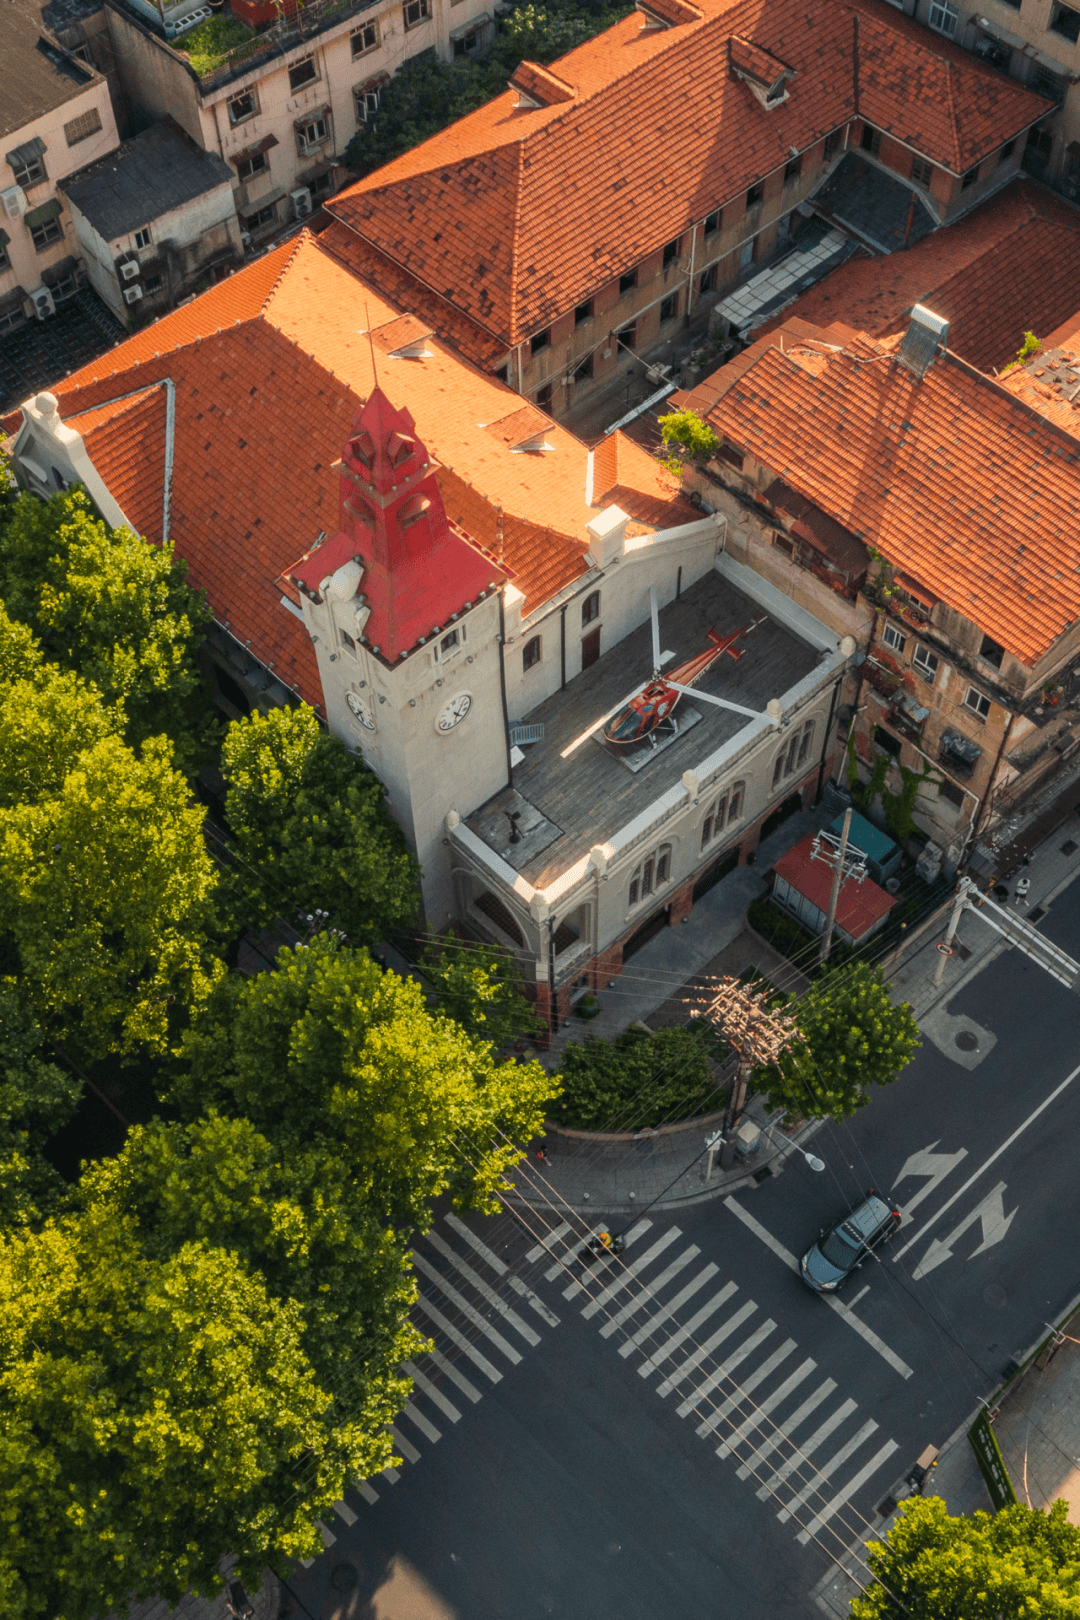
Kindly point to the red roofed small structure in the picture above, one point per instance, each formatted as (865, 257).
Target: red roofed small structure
(801, 886)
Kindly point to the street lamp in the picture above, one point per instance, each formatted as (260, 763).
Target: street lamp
(814, 1162)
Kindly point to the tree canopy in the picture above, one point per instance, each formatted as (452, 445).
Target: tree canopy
(105, 883)
(310, 829)
(1021, 1562)
(639, 1079)
(36, 1098)
(330, 1048)
(481, 989)
(853, 1038)
(114, 609)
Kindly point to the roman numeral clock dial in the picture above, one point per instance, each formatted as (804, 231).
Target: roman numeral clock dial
(454, 712)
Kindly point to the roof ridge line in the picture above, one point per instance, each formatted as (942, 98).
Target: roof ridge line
(304, 234)
(515, 240)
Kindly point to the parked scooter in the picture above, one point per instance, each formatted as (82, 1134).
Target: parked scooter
(602, 1246)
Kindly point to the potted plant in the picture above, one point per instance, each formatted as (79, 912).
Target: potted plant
(1051, 694)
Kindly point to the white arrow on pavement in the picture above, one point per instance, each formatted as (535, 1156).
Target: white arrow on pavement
(935, 1166)
(995, 1224)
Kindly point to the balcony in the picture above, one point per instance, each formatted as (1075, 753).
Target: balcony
(958, 753)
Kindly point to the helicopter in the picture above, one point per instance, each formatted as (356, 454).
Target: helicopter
(649, 711)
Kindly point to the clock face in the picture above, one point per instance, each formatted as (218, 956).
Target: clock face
(454, 712)
(360, 710)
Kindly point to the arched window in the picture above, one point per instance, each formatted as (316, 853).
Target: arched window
(721, 813)
(650, 874)
(531, 653)
(795, 754)
(590, 608)
(495, 911)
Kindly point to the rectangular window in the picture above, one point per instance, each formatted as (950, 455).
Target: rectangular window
(1006, 152)
(628, 281)
(792, 170)
(143, 238)
(926, 662)
(347, 640)
(583, 312)
(976, 702)
(951, 791)
(467, 43)
(804, 741)
(13, 319)
(735, 809)
(892, 638)
(5, 257)
(712, 221)
(531, 652)
(260, 219)
(367, 104)
(302, 73)
(663, 864)
(1066, 22)
(449, 643)
(365, 39)
(991, 653)
(503, 374)
(544, 397)
(922, 171)
(627, 338)
(1047, 84)
(584, 369)
(416, 12)
(152, 284)
(590, 608)
(754, 195)
(733, 457)
(313, 133)
(970, 178)
(707, 284)
(243, 107)
(943, 17)
(871, 140)
(29, 171)
(647, 878)
(322, 185)
(671, 253)
(540, 340)
(44, 236)
(669, 307)
(256, 164)
(887, 742)
(81, 128)
(748, 253)
(833, 142)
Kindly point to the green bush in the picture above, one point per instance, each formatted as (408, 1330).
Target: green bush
(639, 1080)
(788, 937)
(208, 43)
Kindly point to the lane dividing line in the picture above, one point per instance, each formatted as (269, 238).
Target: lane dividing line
(1019, 1131)
(843, 1311)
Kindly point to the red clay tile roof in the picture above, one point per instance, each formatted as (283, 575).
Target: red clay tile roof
(1050, 383)
(860, 905)
(1012, 264)
(672, 11)
(263, 406)
(540, 84)
(517, 214)
(759, 64)
(958, 483)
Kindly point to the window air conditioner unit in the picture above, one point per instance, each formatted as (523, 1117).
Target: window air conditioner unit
(132, 294)
(14, 201)
(43, 303)
(130, 270)
(301, 201)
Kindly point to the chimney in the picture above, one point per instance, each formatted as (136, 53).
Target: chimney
(926, 334)
(608, 536)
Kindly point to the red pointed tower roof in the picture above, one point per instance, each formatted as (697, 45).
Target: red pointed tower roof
(419, 568)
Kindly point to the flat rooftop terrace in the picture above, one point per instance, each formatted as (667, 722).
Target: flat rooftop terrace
(566, 805)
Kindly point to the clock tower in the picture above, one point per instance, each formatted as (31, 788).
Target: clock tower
(405, 616)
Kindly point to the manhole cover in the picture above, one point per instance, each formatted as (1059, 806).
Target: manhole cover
(344, 1578)
(1069, 848)
(966, 1041)
(996, 1295)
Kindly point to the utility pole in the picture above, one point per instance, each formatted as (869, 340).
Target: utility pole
(758, 1037)
(834, 892)
(945, 948)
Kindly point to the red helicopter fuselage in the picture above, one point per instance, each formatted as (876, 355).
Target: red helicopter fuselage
(650, 709)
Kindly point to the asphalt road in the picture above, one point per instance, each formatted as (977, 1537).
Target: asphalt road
(563, 1469)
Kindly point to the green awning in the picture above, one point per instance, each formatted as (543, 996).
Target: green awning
(41, 216)
(27, 152)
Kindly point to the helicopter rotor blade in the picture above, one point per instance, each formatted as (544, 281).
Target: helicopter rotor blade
(724, 703)
(655, 629)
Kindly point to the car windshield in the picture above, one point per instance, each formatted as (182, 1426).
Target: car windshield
(841, 1246)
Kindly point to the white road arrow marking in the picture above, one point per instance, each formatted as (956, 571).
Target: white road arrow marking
(995, 1224)
(935, 1166)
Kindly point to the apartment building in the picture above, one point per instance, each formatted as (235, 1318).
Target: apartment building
(57, 116)
(584, 218)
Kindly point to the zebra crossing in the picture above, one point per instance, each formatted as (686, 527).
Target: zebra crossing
(697, 1338)
(476, 1332)
(774, 1414)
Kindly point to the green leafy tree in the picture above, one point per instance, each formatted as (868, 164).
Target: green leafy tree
(481, 989)
(19, 651)
(853, 1038)
(105, 882)
(1022, 1562)
(294, 1212)
(153, 1414)
(114, 609)
(685, 432)
(310, 830)
(36, 1098)
(639, 1079)
(331, 1050)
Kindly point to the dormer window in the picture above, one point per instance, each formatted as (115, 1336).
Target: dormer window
(412, 511)
(765, 75)
(399, 448)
